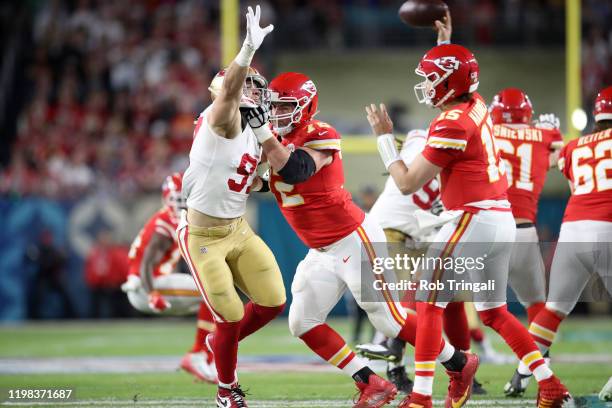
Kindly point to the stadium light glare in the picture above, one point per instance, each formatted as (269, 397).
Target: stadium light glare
(579, 119)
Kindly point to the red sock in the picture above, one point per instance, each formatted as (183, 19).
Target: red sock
(205, 325)
(533, 310)
(427, 348)
(331, 347)
(256, 317)
(514, 333)
(544, 328)
(477, 335)
(408, 301)
(409, 332)
(456, 326)
(225, 349)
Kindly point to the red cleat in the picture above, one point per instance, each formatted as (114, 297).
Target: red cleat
(416, 400)
(231, 398)
(376, 393)
(552, 393)
(460, 387)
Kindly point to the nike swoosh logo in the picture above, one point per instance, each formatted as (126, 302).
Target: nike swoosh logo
(440, 127)
(459, 403)
(322, 133)
(223, 401)
(345, 260)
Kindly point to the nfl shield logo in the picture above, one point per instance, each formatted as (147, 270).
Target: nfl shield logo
(203, 250)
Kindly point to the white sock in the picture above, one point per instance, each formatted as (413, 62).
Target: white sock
(542, 372)
(423, 385)
(447, 352)
(356, 364)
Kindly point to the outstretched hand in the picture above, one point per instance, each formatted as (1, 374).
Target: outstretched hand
(254, 33)
(444, 28)
(379, 119)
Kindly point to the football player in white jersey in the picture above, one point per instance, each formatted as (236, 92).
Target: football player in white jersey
(215, 240)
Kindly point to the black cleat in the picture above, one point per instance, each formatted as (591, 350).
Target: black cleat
(477, 388)
(399, 377)
(376, 352)
(517, 385)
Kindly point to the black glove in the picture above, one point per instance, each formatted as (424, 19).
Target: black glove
(257, 117)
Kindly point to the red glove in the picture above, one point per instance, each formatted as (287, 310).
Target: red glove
(157, 303)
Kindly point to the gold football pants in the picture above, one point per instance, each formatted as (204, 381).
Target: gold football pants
(229, 256)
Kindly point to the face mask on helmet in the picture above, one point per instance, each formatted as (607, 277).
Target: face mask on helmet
(255, 92)
(426, 91)
(286, 112)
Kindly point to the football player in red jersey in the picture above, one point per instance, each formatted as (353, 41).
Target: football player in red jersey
(528, 152)
(153, 256)
(307, 181)
(587, 223)
(461, 148)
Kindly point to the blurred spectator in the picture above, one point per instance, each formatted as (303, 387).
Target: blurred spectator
(105, 270)
(49, 263)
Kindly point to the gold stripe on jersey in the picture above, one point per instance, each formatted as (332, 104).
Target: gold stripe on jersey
(325, 144)
(443, 142)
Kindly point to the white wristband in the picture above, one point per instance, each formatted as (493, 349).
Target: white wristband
(245, 56)
(263, 133)
(444, 42)
(387, 150)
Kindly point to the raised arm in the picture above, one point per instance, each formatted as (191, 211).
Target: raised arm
(224, 117)
(407, 179)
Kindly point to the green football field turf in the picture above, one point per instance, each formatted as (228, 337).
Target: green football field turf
(587, 340)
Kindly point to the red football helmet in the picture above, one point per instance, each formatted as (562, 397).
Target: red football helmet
(603, 105)
(255, 85)
(295, 88)
(171, 193)
(450, 71)
(511, 105)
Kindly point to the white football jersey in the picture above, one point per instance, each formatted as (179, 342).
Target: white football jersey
(395, 210)
(221, 171)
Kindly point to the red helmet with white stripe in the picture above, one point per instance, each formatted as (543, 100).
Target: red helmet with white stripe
(171, 193)
(450, 71)
(255, 91)
(603, 105)
(511, 105)
(296, 88)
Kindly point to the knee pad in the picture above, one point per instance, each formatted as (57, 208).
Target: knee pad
(298, 323)
(230, 308)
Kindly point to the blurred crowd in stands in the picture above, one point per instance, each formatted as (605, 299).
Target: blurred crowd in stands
(112, 87)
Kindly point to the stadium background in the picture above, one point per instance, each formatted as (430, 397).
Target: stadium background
(97, 101)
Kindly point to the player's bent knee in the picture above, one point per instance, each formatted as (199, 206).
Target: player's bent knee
(298, 323)
(561, 309)
(230, 308)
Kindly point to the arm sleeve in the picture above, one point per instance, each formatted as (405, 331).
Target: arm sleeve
(446, 142)
(299, 168)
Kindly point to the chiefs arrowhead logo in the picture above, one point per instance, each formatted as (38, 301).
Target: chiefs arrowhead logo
(447, 63)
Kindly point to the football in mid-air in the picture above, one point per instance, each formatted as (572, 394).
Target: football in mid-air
(422, 13)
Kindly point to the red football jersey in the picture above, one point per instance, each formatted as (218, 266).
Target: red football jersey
(525, 151)
(162, 222)
(461, 142)
(587, 163)
(319, 210)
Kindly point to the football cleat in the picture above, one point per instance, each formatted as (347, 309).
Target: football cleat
(201, 366)
(517, 385)
(377, 352)
(552, 393)
(416, 400)
(460, 386)
(477, 388)
(606, 392)
(376, 393)
(399, 377)
(231, 398)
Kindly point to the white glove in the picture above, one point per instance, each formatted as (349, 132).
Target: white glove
(255, 34)
(133, 283)
(254, 37)
(548, 121)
